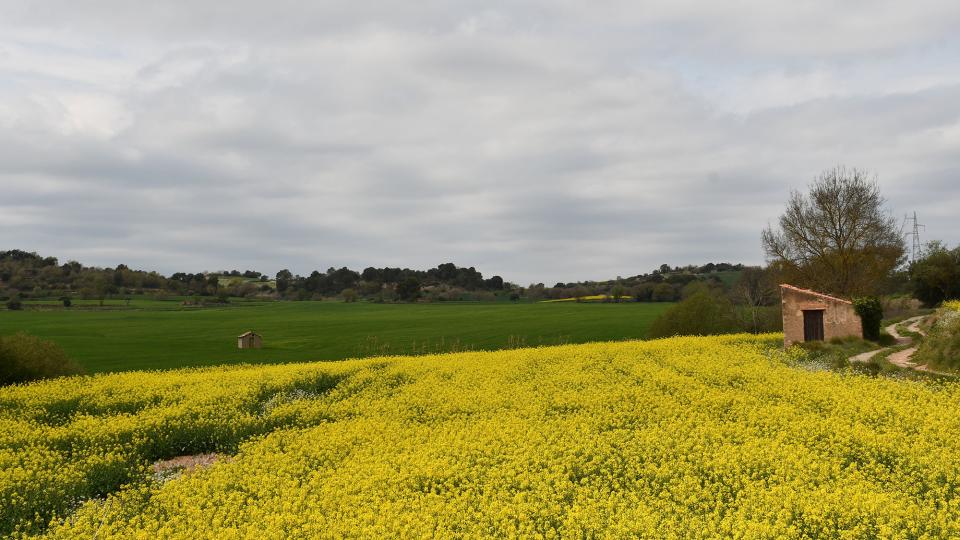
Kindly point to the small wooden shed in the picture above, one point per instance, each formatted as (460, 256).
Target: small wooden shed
(249, 340)
(813, 316)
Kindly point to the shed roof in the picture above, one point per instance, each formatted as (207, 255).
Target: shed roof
(246, 334)
(815, 293)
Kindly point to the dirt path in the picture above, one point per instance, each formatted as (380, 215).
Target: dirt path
(915, 326)
(903, 358)
(899, 358)
(865, 357)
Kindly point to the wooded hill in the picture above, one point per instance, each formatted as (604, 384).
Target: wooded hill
(25, 275)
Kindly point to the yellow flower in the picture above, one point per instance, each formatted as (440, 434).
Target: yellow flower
(686, 437)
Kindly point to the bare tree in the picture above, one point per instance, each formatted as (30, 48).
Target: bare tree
(754, 289)
(839, 238)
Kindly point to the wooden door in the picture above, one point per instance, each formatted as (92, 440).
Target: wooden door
(813, 325)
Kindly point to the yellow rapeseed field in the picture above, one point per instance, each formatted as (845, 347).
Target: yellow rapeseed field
(684, 437)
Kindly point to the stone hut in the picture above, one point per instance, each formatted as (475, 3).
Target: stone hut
(812, 316)
(249, 340)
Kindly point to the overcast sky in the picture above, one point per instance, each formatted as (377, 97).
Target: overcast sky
(542, 141)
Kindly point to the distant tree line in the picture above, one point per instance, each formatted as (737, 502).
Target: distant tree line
(663, 284)
(388, 284)
(26, 275)
(29, 275)
(249, 274)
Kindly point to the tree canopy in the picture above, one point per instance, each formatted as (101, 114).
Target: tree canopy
(936, 276)
(839, 238)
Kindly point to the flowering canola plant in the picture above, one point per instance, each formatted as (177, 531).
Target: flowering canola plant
(676, 438)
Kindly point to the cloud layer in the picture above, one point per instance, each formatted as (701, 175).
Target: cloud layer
(542, 141)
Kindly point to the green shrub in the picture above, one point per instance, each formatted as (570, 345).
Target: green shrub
(25, 358)
(941, 348)
(703, 313)
(870, 310)
(14, 304)
(886, 339)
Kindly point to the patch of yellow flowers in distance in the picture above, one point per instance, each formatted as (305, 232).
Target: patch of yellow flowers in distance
(953, 304)
(589, 298)
(684, 437)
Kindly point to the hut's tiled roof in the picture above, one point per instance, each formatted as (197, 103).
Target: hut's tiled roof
(814, 293)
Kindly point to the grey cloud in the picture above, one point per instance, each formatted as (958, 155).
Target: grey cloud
(541, 141)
